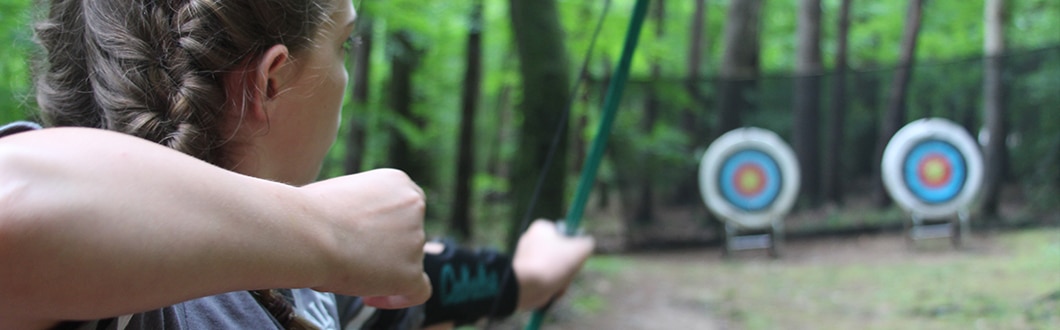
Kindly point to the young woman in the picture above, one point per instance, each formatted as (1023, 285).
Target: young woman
(126, 233)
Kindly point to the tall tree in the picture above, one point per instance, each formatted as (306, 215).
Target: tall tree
(740, 62)
(356, 140)
(545, 76)
(806, 131)
(404, 152)
(832, 173)
(645, 209)
(460, 219)
(693, 118)
(894, 118)
(501, 133)
(996, 154)
(695, 66)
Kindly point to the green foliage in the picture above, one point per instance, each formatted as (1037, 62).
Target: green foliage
(1032, 23)
(15, 38)
(956, 30)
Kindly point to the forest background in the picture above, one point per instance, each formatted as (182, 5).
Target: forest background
(467, 96)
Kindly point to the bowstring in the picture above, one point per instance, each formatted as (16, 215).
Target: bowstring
(564, 118)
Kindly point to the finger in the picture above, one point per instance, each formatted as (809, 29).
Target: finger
(420, 190)
(388, 302)
(585, 242)
(543, 225)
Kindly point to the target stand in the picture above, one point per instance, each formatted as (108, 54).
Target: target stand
(933, 170)
(919, 228)
(749, 178)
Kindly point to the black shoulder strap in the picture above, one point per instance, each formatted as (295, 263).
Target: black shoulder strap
(103, 324)
(17, 127)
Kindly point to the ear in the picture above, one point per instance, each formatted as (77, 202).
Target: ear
(252, 88)
(273, 71)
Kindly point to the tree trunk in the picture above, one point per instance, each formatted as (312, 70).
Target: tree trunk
(693, 119)
(695, 64)
(645, 209)
(460, 219)
(404, 154)
(832, 175)
(806, 131)
(996, 153)
(356, 140)
(740, 63)
(546, 90)
(496, 165)
(894, 118)
(582, 145)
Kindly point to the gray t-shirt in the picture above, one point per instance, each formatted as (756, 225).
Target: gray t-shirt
(239, 310)
(233, 310)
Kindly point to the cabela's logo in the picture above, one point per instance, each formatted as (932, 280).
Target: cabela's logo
(465, 286)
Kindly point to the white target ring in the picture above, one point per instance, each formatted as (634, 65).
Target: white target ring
(932, 167)
(749, 177)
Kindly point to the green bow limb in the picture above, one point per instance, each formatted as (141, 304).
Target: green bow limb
(596, 152)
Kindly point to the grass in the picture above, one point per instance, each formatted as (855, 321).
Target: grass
(968, 291)
(1012, 284)
(584, 302)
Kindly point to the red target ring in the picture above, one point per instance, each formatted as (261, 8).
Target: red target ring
(935, 170)
(750, 180)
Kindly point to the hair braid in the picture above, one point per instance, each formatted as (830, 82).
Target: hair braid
(280, 308)
(154, 69)
(61, 78)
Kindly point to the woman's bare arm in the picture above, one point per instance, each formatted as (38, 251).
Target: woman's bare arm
(95, 224)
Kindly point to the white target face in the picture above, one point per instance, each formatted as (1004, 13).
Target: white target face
(932, 167)
(750, 177)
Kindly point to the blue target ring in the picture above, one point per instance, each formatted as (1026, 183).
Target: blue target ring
(750, 180)
(934, 171)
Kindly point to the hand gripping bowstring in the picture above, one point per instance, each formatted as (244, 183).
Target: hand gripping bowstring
(588, 173)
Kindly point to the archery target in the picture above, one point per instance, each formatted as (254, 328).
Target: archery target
(932, 167)
(750, 177)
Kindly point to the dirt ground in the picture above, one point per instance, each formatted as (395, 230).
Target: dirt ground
(659, 292)
(663, 286)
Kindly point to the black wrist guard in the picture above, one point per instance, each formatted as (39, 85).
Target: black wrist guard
(469, 285)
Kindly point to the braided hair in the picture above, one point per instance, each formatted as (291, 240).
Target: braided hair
(153, 69)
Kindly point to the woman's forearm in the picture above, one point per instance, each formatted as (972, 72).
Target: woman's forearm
(95, 224)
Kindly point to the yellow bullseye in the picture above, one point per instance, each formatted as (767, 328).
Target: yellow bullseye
(750, 181)
(934, 170)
